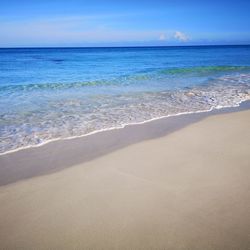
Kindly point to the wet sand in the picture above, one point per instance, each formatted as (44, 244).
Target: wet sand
(58, 155)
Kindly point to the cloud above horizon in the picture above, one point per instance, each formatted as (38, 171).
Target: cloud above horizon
(174, 35)
(181, 36)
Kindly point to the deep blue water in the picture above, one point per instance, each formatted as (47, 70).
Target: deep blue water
(52, 93)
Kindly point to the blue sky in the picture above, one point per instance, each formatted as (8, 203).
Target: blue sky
(123, 23)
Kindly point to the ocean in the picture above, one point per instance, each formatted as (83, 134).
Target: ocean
(58, 93)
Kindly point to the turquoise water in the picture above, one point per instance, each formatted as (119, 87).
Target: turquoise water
(54, 93)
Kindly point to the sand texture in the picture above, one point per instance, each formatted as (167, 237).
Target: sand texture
(187, 190)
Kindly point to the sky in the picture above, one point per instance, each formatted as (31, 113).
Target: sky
(55, 23)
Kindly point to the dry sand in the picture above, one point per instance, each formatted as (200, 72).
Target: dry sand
(187, 190)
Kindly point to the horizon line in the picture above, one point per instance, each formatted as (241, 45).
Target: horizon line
(127, 46)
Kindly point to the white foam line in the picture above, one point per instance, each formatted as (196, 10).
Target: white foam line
(121, 127)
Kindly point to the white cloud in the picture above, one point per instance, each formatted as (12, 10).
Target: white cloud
(181, 36)
(173, 35)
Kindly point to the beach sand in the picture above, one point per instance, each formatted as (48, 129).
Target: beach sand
(189, 189)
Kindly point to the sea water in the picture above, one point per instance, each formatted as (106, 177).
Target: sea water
(58, 93)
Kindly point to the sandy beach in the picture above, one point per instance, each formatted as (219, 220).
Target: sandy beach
(124, 125)
(188, 189)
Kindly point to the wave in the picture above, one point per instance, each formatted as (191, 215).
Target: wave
(120, 127)
(205, 69)
(126, 79)
(81, 116)
(56, 86)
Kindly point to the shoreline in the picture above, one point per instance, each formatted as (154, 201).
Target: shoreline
(185, 189)
(59, 154)
(111, 129)
(241, 103)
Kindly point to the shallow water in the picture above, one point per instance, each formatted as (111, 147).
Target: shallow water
(46, 94)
